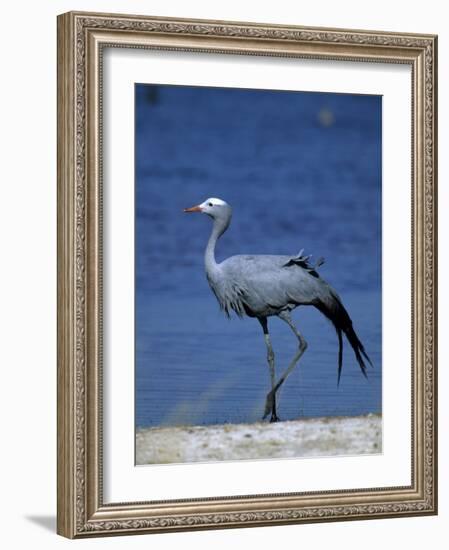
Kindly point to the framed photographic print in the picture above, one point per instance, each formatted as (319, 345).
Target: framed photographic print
(246, 274)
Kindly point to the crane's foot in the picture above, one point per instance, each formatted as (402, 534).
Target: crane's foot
(270, 407)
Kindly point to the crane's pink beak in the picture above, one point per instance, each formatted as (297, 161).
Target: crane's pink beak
(193, 209)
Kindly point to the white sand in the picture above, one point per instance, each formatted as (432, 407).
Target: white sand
(297, 438)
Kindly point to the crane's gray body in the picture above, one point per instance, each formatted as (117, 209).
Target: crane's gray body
(265, 285)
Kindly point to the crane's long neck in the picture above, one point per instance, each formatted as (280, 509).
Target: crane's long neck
(218, 229)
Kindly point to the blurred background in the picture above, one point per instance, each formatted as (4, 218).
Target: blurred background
(301, 170)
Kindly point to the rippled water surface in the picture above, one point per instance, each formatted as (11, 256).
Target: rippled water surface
(301, 170)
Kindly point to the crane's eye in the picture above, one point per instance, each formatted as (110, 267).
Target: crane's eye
(209, 204)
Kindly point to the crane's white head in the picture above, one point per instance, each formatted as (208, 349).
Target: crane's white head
(217, 209)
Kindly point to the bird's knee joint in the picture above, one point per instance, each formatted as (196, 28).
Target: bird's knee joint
(270, 356)
(303, 345)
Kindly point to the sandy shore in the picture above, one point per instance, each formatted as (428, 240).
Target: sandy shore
(297, 438)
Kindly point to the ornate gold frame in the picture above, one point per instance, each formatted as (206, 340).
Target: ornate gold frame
(81, 37)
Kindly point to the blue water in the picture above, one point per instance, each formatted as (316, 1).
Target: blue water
(301, 170)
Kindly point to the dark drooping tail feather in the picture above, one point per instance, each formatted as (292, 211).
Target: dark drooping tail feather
(340, 354)
(335, 311)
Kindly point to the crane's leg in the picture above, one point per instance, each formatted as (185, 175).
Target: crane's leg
(269, 406)
(285, 316)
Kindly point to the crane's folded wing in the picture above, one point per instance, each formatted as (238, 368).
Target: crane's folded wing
(265, 284)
